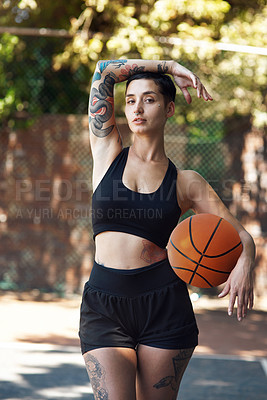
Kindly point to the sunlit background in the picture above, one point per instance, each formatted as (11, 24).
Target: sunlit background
(48, 52)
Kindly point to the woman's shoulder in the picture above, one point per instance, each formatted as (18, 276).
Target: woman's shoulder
(189, 179)
(189, 184)
(187, 176)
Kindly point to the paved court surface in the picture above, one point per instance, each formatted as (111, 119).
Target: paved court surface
(39, 372)
(40, 358)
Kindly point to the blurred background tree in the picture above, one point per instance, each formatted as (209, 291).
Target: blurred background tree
(48, 52)
(150, 29)
(157, 29)
(23, 97)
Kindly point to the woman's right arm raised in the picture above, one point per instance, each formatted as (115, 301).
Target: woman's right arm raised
(105, 138)
(104, 133)
(102, 124)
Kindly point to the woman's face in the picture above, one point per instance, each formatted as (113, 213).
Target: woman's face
(145, 109)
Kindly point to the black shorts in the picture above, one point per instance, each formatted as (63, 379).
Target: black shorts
(148, 305)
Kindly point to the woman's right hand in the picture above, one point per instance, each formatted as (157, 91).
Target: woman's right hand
(184, 79)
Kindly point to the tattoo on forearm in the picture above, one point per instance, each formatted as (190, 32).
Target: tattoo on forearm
(101, 100)
(180, 363)
(101, 106)
(151, 253)
(129, 70)
(118, 63)
(97, 375)
(96, 77)
(162, 68)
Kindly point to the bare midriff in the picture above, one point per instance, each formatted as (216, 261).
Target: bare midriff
(125, 251)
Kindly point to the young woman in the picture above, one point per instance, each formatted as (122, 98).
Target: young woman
(137, 328)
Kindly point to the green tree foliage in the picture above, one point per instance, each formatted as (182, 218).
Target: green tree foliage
(39, 13)
(169, 29)
(28, 83)
(8, 46)
(157, 29)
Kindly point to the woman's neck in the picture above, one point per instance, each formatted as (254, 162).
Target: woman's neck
(149, 149)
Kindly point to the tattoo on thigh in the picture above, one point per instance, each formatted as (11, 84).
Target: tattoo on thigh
(179, 364)
(96, 374)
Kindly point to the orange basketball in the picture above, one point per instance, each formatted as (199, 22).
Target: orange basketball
(203, 249)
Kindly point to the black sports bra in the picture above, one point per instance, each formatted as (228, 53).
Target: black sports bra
(152, 216)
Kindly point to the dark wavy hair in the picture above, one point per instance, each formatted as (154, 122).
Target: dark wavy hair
(164, 82)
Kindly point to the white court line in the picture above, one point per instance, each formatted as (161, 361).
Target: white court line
(226, 357)
(263, 362)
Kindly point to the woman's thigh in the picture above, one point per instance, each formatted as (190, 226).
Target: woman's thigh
(159, 372)
(112, 373)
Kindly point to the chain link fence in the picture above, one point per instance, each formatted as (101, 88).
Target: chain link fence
(46, 166)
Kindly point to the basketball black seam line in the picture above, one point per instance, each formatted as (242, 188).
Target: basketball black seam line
(191, 237)
(206, 247)
(203, 266)
(195, 262)
(218, 255)
(223, 254)
(185, 269)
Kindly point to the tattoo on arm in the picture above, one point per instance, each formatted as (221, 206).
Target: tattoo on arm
(96, 77)
(96, 374)
(130, 70)
(162, 68)
(180, 363)
(118, 63)
(101, 106)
